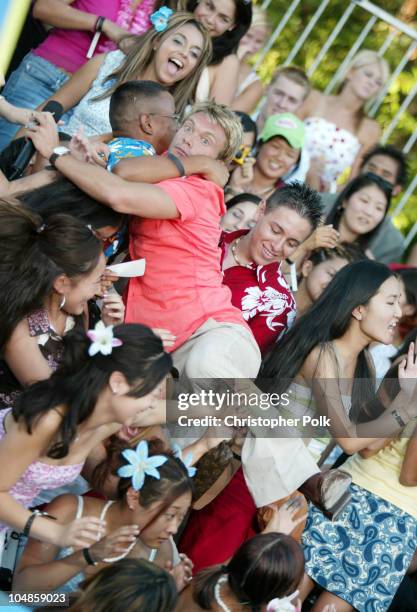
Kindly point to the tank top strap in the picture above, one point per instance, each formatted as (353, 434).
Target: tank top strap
(80, 506)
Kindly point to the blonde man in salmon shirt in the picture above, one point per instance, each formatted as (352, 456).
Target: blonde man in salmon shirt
(175, 226)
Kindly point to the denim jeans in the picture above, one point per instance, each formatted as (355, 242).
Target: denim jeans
(34, 81)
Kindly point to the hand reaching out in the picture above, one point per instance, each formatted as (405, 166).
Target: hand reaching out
(113, 311)
(182, 573)
(407, 373)
(86, 150)
(282, 520)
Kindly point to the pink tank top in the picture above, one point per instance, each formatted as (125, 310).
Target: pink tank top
(67, 49)
(38, 476)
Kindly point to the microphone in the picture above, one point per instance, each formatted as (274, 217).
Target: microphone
(22, 160)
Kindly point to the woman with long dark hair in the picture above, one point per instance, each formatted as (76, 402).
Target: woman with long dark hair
(227, 21)
(105, 380)
(360, 209)
(324, 364)
(262, 574)
(157, 506)
(51, 268)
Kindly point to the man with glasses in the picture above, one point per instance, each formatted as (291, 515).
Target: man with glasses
(143, 120)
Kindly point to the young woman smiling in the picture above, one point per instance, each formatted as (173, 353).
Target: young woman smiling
(173, 56)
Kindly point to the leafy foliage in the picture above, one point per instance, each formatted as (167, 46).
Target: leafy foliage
(399, 46)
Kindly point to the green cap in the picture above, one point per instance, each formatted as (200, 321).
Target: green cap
(287, 126)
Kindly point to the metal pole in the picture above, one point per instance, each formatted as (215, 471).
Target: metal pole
(410, 142)
(387, 42)
(406, 102)
(277, 32)
(410, 235)
(306, 32)
(354, 48)
(405, 197)
(387, 17)
(331, 38)
(400, 67)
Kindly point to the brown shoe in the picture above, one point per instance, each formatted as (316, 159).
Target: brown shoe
(329, 491)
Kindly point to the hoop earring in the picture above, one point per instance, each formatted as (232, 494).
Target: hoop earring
(62, 303)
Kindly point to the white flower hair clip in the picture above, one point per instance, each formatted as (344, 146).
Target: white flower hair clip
(187, 461)
(102, 340)
(282, 604)
(140, 465)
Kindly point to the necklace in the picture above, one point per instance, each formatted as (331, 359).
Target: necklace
(233, 248)
(217, 597)
(130, 547)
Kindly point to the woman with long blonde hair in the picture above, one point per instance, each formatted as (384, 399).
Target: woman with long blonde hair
(338, 130)
(173, 53)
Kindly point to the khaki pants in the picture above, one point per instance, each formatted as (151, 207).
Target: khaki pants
(273, 467)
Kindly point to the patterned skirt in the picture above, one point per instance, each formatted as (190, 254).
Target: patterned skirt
(363, 556)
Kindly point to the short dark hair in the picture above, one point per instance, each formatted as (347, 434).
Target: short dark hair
(248, 124)
(409, 278)
(396, 154)
(299, 197)
(131, 95)
(243, 197)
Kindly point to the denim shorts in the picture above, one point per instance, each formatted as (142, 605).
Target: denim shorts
(34, 81)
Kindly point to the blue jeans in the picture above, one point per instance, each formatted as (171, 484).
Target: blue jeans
(34, 81)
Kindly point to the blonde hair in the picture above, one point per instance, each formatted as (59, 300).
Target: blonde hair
(294, 74)
(366, 57)
(260, 18)
(224, 117)
(142, 54)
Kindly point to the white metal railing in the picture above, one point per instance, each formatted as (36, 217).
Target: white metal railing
(376, 15)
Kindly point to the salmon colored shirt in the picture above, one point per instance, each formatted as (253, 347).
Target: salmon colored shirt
(182, 285)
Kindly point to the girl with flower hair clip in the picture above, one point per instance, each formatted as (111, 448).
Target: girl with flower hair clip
(52, 267)
(154, 494)
(173, 53)
(105, 380)
(262, 576)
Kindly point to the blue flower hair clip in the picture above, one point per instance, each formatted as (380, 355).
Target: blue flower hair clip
(140, 465)
(160, 18)
(176, 449)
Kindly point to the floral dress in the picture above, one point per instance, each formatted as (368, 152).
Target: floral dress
(262, 294)
(50, 345)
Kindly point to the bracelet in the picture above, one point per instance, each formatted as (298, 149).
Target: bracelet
(398, 418)
(35, 513)
(88, 557)
(289, 261)
(99, 24)
(178, 163)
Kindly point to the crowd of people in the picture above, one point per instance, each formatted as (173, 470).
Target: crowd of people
(170, 228)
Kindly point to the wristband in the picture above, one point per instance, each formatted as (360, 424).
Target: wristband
(99, 24)
(35, 513)
(178, 163)
(88, 557)
(289, 261)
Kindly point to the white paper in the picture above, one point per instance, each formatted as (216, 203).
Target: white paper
(129, 268)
